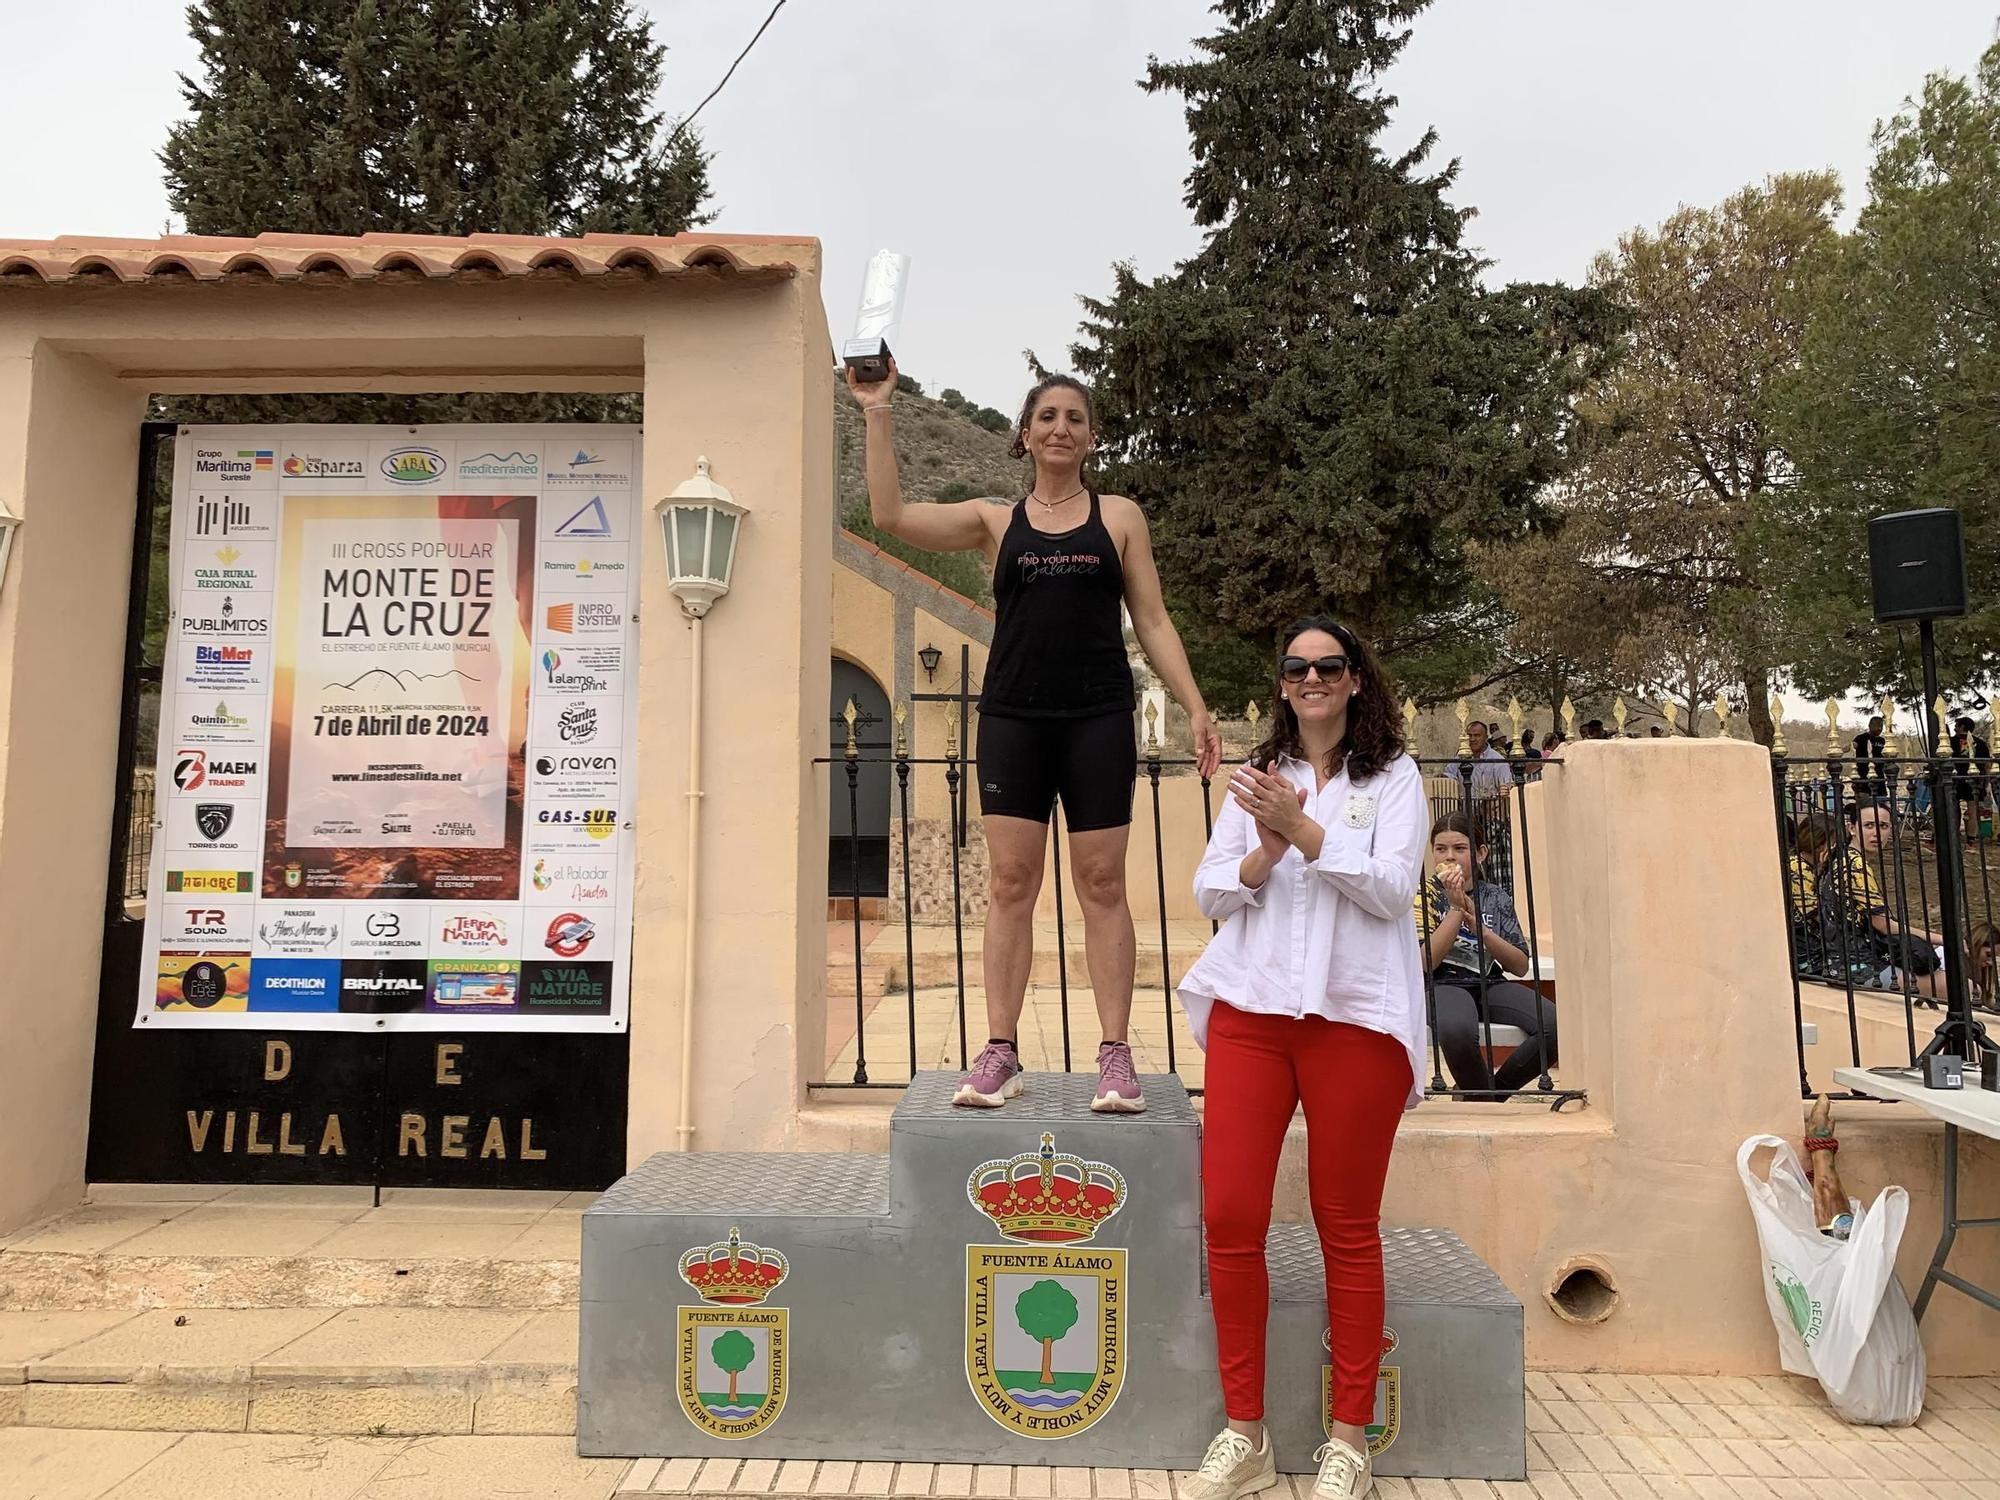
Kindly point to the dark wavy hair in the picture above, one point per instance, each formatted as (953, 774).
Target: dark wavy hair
(1374, 735)
(1042, 387)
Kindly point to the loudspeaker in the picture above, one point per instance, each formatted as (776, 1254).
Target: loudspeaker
(1916, 564)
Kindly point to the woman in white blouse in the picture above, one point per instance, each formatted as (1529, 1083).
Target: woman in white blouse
(1311, 992)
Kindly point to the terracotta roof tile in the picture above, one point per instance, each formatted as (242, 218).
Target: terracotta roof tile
(96, 259)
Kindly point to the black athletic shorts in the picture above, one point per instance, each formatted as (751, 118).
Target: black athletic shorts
(1025, 764)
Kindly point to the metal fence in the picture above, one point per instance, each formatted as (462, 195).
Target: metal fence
(1869, 880)
(139, 836)
(1497, 806)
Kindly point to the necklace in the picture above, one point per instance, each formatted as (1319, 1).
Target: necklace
(1052, 504)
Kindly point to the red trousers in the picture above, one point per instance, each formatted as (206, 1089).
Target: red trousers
(1354, 1083)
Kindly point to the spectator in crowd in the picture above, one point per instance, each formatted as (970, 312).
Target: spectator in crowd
(1818, 936)
(1905, 956)
(1974, 779)
(1594, 730)
(1491, 775)
(1656, 733)
(1982, 960)
(1552, 742)
(1528, 746)
(1868, 751)
(1472, 941)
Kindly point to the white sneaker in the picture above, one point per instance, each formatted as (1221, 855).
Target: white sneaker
(1343, 1473)
(1231, 1468)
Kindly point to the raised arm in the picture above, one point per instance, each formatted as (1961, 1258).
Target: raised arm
(1161, 642)
(957, 526)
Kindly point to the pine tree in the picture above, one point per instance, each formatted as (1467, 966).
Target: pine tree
(1324, 405)
(429, 117)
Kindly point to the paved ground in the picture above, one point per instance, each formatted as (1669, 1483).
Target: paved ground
(1592, 1437)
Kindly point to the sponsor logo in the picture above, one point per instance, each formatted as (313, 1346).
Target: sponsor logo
(194, 770)
(592, 468)
(295, 876)
(199, 981)
(222, 666)
(589, 522)
(231, 465)
(587, 669)
(467, 931)
(475, 984)
(396, 823)
(208, 882)
(578, 724)
(586, 617)
(512, 464)
(414, 466)
(222, 572)
(579, 989)
(214, 818)
(565, 765)
(598, 822)
(225, 622)
(295, 984)
(383, 986)
(450, 828)
(569, 934)
(221, 719)
(587, 879)
(305, 930)
(317, 466)
(607, 571)
(227, 516)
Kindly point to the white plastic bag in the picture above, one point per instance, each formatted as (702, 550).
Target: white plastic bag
(1841, 1315)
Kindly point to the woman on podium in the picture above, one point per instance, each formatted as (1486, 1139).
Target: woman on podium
(1055, 714)
(1312, 992)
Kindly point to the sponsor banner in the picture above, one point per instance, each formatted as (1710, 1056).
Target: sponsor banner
(427, 464)
(383, 987)
(587, 517)
(577, 723)
(195, 922)
(233, 721)
(394, 743)
(483, 469)
(589, 466)
(211, 832)
(217, 517)
(577, 989)
(573, 776)
(581, 618)
(196, 980)
(385, 930)
(317, 463)
(475, 986)
(227, 666)
(301, 984)
(567, 932)
(245, 464)
(475, 931)
(214, 567)
(583, 568)
(302, 931)
(580, 670)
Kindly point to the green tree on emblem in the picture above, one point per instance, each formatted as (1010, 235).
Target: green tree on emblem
(1046, 1311)
(733, 1352)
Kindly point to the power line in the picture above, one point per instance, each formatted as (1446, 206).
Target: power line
(730, 74)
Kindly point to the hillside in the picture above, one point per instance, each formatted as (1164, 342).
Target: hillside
(943, 455)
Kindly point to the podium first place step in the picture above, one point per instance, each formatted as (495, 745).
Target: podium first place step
(1021, 1285)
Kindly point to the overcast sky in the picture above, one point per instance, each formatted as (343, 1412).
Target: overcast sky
(1007, 149)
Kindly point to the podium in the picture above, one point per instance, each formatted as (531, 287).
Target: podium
(1021, 1286)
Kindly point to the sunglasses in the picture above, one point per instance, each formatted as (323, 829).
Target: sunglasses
(1330, 668)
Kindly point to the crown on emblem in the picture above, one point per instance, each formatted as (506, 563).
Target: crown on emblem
(733, 1273)
(1046, 1196)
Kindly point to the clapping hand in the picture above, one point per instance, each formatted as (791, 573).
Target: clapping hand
(1274, 803)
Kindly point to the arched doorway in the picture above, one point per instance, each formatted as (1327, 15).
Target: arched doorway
(859, 826)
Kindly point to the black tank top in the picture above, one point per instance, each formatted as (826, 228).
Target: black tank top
(1058, 640)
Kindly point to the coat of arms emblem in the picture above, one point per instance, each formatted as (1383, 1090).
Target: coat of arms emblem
(1044, 1314)
(1388, 1419)
(731, 1349)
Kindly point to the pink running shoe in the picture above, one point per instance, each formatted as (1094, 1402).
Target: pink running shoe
(995, 1078)
(1117, 1081)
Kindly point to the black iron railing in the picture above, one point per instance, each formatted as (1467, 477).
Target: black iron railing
(1495, 803)
(1869, 875)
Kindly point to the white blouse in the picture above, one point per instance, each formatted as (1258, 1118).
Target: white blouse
(1327, 937)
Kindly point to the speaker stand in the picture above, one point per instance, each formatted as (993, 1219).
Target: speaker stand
(1961, 1033)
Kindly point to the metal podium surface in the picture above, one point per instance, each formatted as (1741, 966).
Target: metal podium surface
(1022, 1285)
